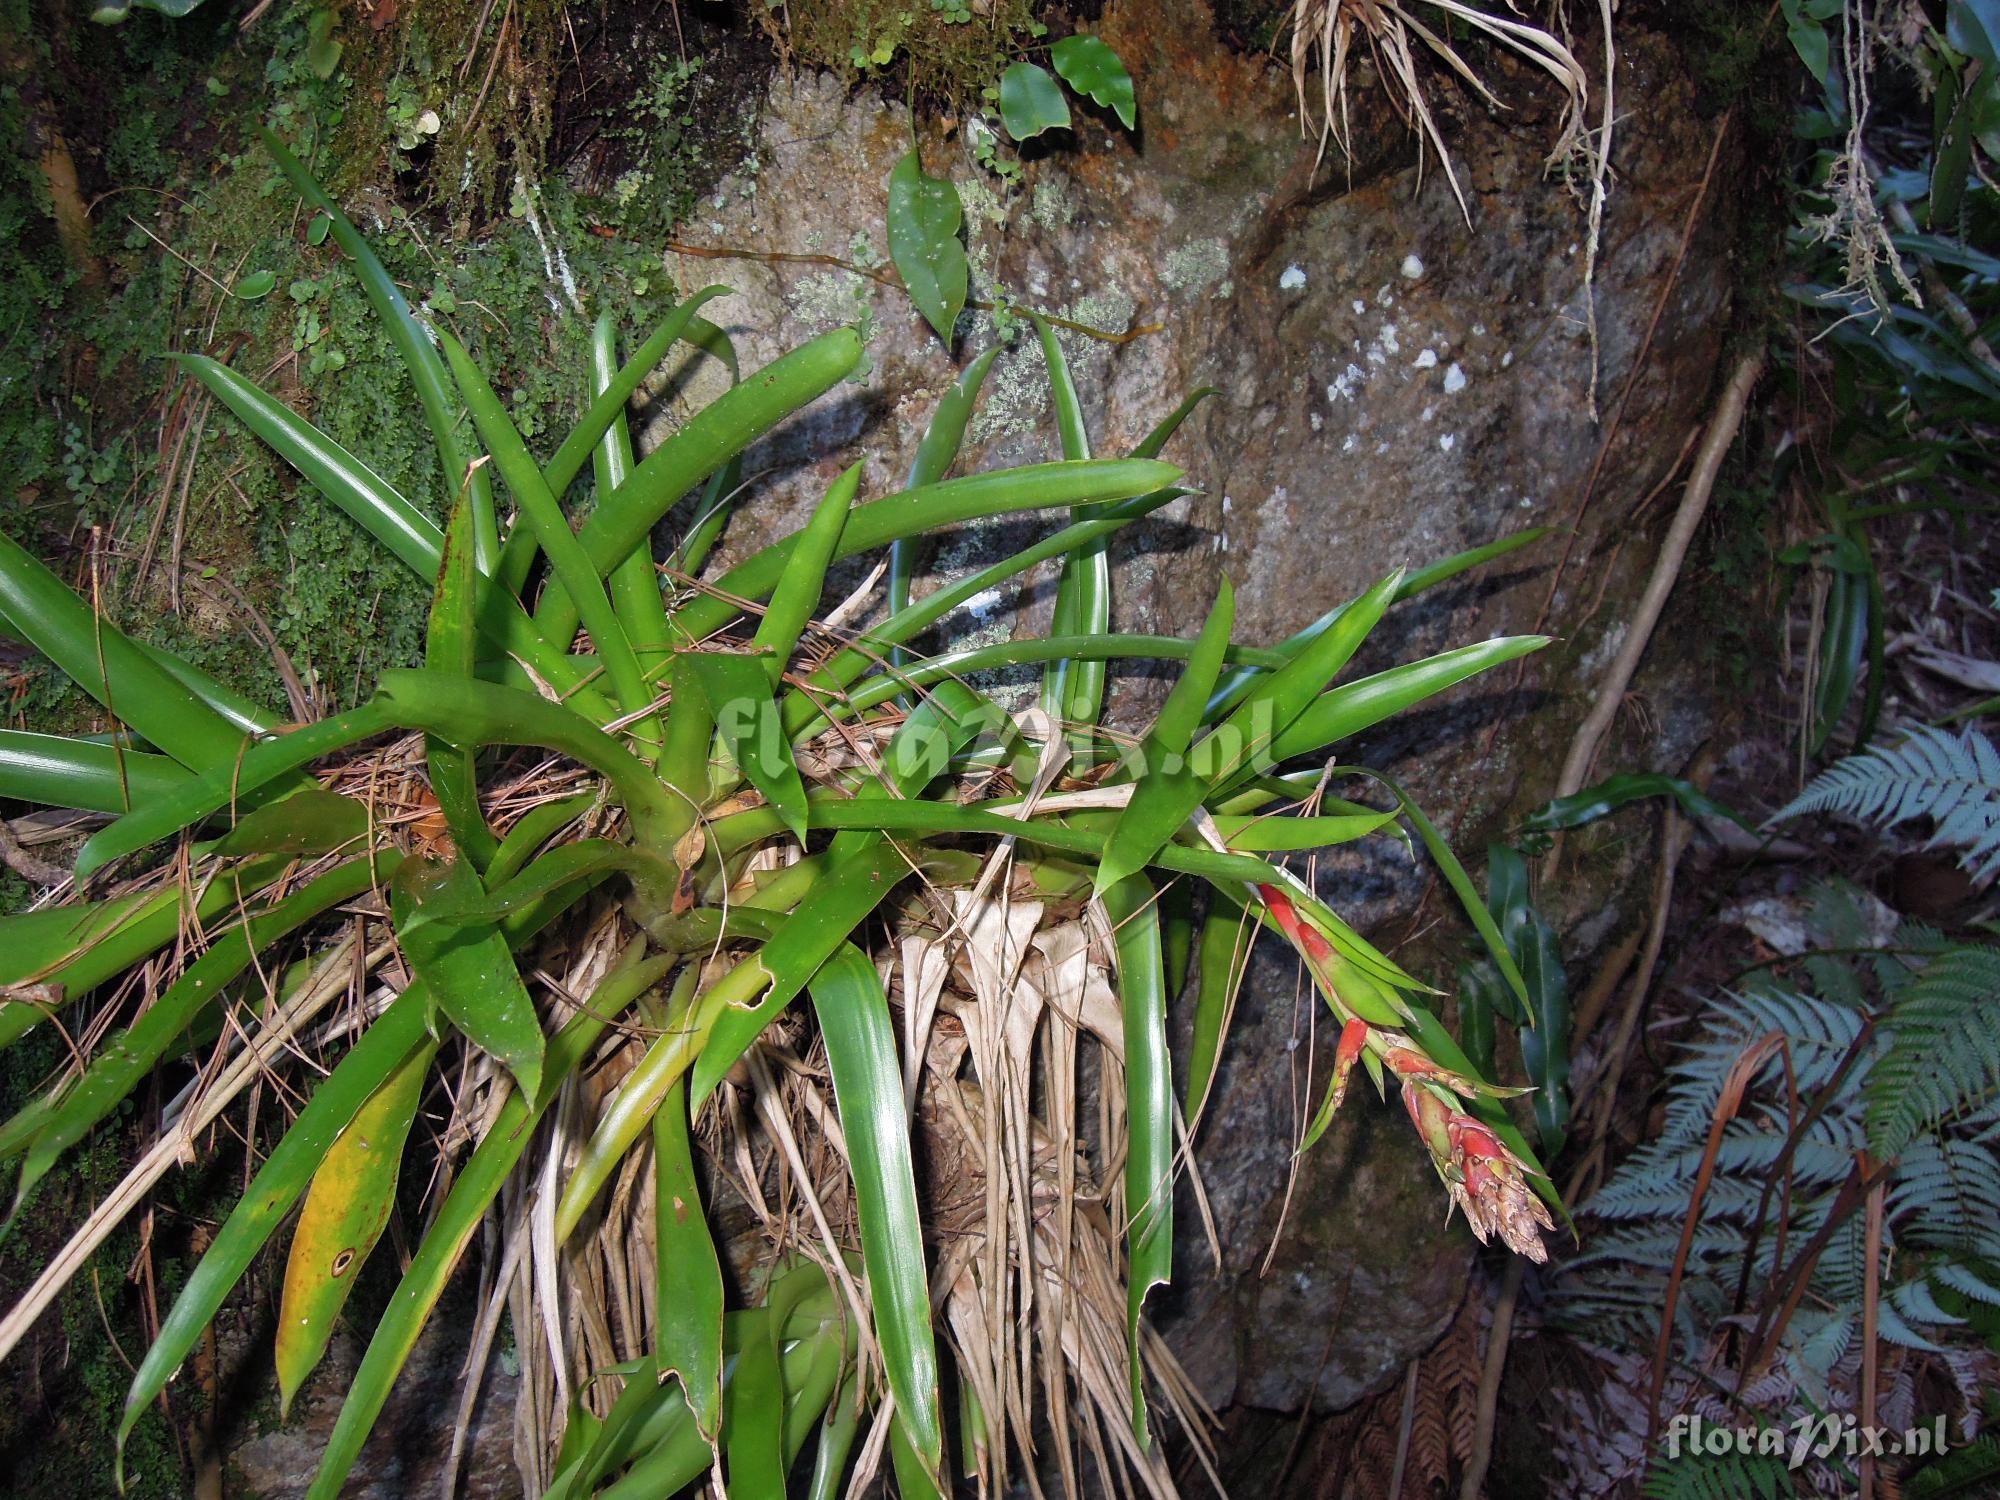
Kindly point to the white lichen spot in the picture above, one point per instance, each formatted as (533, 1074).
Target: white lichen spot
(1507, 359)
(1388, 338)
(1448, 442)
(1346, 382)
(1454, 379)
(1360, 305)
(1228, 502)
(1412, 268)
(1479, 330)
(1350, 443)
(1293, 279)
(1429, 412)
(1427, 360)
(1317, 421)
(1196, 266)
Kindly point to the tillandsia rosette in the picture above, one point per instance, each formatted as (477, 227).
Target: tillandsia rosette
(540, 913)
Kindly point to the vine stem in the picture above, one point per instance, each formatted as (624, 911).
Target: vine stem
(884, 278)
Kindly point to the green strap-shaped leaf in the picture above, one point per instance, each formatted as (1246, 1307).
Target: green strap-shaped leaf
(214, 790)
(1149, 1113)
(930, 817)
(1226, 939)
(449, 649)
(535, 828)
(655, 1433)
(841, 670)
(617, 385)
(753, 1423)
(1238, 745)
(1531, 943)
(1151, 445)
(53, 770)
(837, 1432)
(738, 689)
(796, 599)
(730, 1015)
(808, 937)
(1366, 702)
(1168, 790)
(1614, 792)
(346, 1209)
(581, 864)
(943, 722)
(367, 498)
(280, 1182)
(407, 532)
(249, 717)
(635, 582)
(49, 1127)
(310, 821)
(1090, 67)
(957, 663)
(468, 967)
(1073, 692)
(1461, 885)
(1234, 685)
(690, 1271)
(458, 1217)
(483, 713)
(717, 433)
(1031, 102)
(104, 662)
(914, 512)
(690, 735)
(924, 220)
(935, 455)
(543, 515)
(425, 369)
(718, 500)
(860, 1045)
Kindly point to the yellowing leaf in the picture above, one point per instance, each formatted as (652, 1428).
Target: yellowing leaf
(346, 1209)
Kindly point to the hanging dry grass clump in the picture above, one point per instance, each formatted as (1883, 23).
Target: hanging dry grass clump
(1332, 34)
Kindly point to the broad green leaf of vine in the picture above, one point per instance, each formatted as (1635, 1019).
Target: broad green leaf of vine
(1031, 102)
(1090, 67)
(924, 220)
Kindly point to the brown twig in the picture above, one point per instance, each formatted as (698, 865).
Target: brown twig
(1489, 1379)
(30, 867)
(1722, 430)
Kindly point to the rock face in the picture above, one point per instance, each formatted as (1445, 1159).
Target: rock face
(1392, 385)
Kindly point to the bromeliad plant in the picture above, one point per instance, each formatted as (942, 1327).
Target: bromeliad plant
(569, 893)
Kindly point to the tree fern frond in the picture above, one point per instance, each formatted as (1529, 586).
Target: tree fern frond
(1944, 1053)
(1951, 778)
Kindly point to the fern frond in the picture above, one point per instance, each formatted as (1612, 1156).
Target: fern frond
(1969, 1470)
(1727, 1476)
(1951, 778)
(1944, 1053)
